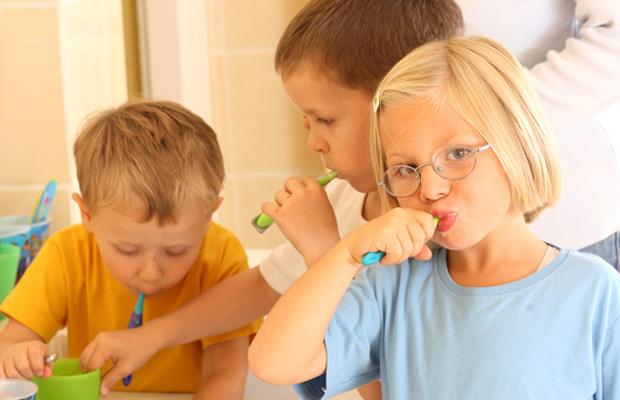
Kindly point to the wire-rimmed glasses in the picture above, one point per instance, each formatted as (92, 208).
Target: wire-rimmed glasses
(453, 162)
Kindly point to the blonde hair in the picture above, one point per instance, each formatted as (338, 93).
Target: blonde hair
(155, 154)
(487, 87)
(348, 41)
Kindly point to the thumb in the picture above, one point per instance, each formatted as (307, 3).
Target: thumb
(269, 208)
(111, 378)
(424, 254)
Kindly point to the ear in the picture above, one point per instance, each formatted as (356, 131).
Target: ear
(216, 204)
(84, 213)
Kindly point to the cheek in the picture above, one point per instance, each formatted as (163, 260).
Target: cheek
(121, 267)
(177, 267)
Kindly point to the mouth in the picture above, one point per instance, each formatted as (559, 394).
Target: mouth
(447, 219)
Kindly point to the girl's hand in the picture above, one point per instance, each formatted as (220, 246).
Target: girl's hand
(127, 349)
(303, 213)
(401, 233)
(24, 360)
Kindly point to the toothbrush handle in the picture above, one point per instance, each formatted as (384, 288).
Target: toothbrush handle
(372, 257)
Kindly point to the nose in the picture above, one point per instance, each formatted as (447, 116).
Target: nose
(432, 186)
(150, 272)
(316, 141)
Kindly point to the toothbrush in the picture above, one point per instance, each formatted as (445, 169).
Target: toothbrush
(263, 221)
(134, 322)
(44, 204)
(374, 257)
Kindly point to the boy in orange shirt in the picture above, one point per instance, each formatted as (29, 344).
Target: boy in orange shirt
(150, 175)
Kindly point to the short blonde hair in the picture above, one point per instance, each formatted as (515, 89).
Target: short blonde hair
(489, 89)
(156, 154)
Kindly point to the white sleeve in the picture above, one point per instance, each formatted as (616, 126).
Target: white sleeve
(584, 77)
(283, 267)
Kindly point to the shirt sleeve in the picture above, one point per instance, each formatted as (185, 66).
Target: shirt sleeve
(352, 342)
(39, 301)
(584, 76)
(611, 363)
(283, 267)
(232, 261)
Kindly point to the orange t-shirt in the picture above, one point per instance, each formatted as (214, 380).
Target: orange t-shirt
(68, 284)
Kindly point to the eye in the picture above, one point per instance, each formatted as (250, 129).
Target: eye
(404, 171)
(177, 253)
(457, 153)
(127, 253)
(323, 121)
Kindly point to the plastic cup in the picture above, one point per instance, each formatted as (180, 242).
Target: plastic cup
(69, 382)
(33, 240)
(17, 389)
(9, 259)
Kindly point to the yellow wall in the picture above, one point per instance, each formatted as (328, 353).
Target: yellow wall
(259, 129)
(32, 137)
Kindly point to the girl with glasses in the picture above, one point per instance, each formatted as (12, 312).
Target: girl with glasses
(492, 311)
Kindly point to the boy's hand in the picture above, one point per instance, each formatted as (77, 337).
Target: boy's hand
(127, 349)
(401, 233)
(24, 360)
(305, 216)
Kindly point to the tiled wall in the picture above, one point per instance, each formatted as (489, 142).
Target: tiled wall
(33, 147)
(59, 62)
(259, 129)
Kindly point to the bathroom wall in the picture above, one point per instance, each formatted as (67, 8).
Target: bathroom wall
(259, 129)
(32, 125)
(59, 61)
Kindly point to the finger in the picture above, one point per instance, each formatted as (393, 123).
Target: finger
(392, 247)
(311, 183)
(281, 197)
(402, 245)
(22, 365)
(418, 237)
(429, 226)
(96, 358)
(270, 209)
(294, 184)
(425, 254)
(86, 355)
(37, 360)
(111, 378)
(11, 371)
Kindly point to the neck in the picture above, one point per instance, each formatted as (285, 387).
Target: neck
(372, 206)
(509, 253)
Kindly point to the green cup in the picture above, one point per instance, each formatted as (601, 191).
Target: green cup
(69, 382)
(9, 259)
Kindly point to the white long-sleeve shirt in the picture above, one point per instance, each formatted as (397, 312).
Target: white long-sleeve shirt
(572, 49)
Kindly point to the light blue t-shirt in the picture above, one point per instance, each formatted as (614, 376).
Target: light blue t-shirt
(552, 335)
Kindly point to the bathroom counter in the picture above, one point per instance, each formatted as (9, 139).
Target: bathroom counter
(148, 396)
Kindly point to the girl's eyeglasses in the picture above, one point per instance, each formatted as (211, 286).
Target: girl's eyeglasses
(451, 162)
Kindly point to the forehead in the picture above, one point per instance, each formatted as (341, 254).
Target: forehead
(423, 126)
(310, 89)
(127, 225)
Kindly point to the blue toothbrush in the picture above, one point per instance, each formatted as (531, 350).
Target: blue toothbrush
(45, 202)
(134, 322)
(374, 257)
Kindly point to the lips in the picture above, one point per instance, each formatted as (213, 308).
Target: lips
(447, 219)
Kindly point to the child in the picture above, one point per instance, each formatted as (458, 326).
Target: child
(331, 58)
(150, 175)
(494, 312)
